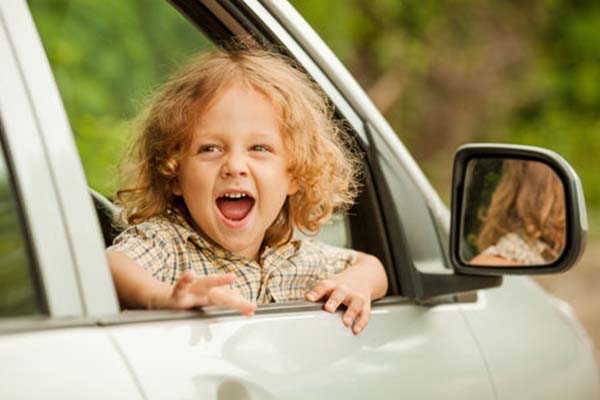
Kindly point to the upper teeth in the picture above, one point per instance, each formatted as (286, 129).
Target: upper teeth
(234, 195)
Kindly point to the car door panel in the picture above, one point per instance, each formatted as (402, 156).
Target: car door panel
(73, 363)
(407, 350)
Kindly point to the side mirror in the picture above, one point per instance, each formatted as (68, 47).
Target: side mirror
(515, 210)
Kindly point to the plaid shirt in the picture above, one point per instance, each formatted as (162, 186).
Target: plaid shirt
(168, 246)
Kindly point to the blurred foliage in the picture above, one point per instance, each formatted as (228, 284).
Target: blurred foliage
(443, 73)
(594, 224)
(107, 57)
(447, 73)
(17, 297)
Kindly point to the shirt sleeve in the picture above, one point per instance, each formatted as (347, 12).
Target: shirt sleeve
(512, 247)
(145, 245)
(335, 259)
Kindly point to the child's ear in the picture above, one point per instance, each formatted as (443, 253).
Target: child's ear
(293, 187)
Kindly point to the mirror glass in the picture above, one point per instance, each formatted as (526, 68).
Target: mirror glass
(513, 213)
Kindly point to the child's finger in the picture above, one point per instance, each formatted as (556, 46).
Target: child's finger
(363, 319)
(190, 301)
(183, 283)
(336, 298)
(322, 288)
(232, 300)
(354, 308)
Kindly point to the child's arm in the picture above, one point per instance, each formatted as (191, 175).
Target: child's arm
(355, 287)
(137, 288)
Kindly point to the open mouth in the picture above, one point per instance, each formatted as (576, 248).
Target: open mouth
(235, 206)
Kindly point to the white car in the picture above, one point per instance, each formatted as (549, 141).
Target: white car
(444, 330)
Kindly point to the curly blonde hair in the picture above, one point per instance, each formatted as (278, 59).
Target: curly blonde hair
(321, 160)
(529, 200)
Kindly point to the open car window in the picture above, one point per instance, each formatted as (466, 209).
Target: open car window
(106, 63)
(107, 58)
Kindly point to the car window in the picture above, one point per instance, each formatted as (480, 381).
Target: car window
(17, 291)
(107, 57)
(335, 233)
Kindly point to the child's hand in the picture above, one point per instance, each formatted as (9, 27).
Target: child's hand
(357, 300)
(211, 290)
(355, 287)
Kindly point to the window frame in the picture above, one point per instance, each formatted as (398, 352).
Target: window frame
(53, 270)
(83, 241)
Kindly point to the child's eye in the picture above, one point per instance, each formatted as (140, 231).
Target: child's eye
(209, 148)
(261, 147)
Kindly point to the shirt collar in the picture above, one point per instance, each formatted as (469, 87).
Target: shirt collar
(188, 233)
(280, 253)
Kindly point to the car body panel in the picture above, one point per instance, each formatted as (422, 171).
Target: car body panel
(536, 350)
(74, 363)
(406, 350)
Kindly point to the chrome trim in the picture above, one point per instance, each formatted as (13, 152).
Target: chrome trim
(136, 316)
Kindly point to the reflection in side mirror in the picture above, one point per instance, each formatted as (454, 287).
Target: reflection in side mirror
(513, 213)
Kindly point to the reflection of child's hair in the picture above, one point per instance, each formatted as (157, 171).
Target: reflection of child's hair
(528, 200)
(319, 158)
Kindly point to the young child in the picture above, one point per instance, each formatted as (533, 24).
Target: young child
(237, 150)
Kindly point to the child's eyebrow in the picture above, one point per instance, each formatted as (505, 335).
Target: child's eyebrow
(262, 137)
(266, 135)
(203, 136)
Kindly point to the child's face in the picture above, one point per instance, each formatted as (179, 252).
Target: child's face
(237, 150)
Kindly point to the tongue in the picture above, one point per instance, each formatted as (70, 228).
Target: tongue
(235, 209)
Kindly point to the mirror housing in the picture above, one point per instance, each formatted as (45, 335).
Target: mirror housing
(575, 218)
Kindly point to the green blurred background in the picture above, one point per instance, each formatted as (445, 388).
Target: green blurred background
(443, 73)
(446, 73)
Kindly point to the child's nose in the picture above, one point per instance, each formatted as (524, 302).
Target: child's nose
(234, 166)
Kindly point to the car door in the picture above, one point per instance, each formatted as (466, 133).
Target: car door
(288, 350)
(48, 349)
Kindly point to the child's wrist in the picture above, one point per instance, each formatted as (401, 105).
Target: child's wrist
(157, 297)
